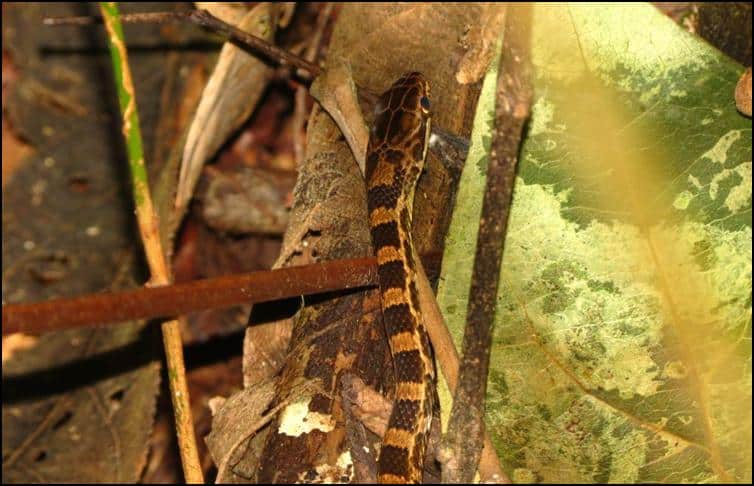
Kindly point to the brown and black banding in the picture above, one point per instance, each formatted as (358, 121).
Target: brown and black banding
(394, 460)
(398, 319)
(392, 275)
(407, 413)
(386, 234)
(409, 366)
(394, 162)
(385, 196)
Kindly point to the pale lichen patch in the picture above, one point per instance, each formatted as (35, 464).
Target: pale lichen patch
(682, 200)
(694, 181)
(339, 473)
(739, 196)
(544, 111)
(297, 419)
(719, 153)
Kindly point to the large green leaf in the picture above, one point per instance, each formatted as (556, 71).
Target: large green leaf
(622, 346)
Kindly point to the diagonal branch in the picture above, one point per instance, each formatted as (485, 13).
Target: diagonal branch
(462, 446)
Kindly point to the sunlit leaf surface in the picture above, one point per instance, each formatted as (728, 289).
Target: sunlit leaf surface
(622, 346)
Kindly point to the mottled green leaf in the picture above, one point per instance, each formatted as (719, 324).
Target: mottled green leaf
(622, 346)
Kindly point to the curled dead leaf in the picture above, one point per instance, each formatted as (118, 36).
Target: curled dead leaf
(367, 405)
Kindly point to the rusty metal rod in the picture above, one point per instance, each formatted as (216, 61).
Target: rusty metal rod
(182, 298)
(176, 299)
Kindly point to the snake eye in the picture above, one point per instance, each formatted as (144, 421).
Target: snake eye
(425, 104)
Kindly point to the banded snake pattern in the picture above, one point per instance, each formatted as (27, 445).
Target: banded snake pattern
(395, 159)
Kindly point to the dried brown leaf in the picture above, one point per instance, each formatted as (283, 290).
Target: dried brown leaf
(367, 405)
(231, 94)
(230, 12)
(247, 201)
(336, 92)
(231, 424)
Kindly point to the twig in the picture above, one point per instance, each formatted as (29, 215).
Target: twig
(204, 19)
(178, 299)
(302, 93)
(149, 231)
(462, 445)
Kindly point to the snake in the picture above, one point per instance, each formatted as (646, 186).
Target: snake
(396, 153)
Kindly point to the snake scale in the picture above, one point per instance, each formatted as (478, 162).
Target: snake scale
(395, 158)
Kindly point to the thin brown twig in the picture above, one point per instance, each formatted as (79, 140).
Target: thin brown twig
(462, 446)
(204, 19)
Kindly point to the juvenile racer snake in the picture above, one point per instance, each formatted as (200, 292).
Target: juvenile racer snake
(395, 158)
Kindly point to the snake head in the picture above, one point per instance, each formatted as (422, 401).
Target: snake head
(402, 120)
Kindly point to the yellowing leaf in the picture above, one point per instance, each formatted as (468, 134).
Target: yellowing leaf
(622, 347)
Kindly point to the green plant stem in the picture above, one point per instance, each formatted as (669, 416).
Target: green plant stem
(149, 230)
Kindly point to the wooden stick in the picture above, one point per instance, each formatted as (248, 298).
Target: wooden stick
(462, 446)
(490, 469)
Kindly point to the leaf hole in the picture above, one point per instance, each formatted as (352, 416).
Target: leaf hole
(50, 268)
(116, 398)
(41, 456)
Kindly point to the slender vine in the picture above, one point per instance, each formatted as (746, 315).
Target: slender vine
(149, 231)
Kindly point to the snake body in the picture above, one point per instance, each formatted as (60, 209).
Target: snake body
(395, 158)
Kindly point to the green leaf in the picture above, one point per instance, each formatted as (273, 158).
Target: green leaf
(622, 346)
